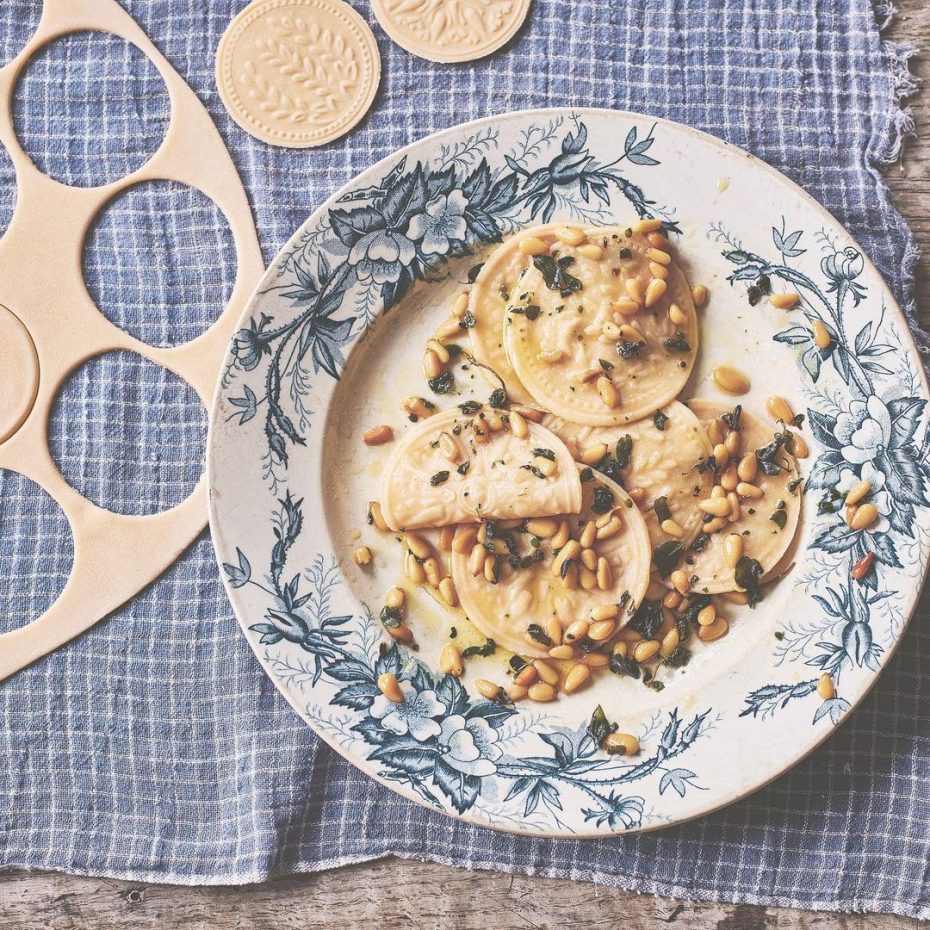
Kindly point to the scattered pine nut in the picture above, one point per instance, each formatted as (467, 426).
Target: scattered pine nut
(635, 290)
(449, 447)
(730, 478)
(530, 245)
(448, 329)
(431, 366)
(375, 516)
(418, 546)
(716, 432)
(731, 442)
(699, 295)
(655, 292)
(394, 597)
(863, 566)
(589, 558)
(730, 380)
(735, 597)
(418, 406)
(576, 630)
(736, 509)
(591, 251)
(669, 642)
(621, 744)
(784, 301)
(748, 467)
(626, 307)
(518, 425)
(464, 538)
(780, 409)
(446, 535)
(546, 672)
(546, 466)
(713, 631)
(716, 506)
(570, 235)
(361, 555)
(604, 612)
(671, 600)
(515, 692)
(562, 652)
(588, 536)
(733, 549)
(647, 225)
(715, 525)
(825, 687)
(822, 338)
(402, 633)
(441, 352)
(529, 413)
(677, 315)
(559, 540)
(413, 569)
(476, 559)
(752, 491)
(707, 615)
(487, 688)
(858, 492)
(450, 660)
(602, 630)
(596, 659)
(593, 454)
(799, 448)
(389, 686)
(680, 580)
(432, 572)
(721, 455)
(658, 241)
(550, 356)
(604, 575)
(576, 677)
(609, 395)
(490, 569)
(543, 527)
(378, 435)
(659, 256)
(541, 692)
(864, 517)
(448, 592)
(526, 676)
(611, 528)
(658, 271)
(611, 330)
(571, 550)
(460, 304)
(646, 650)
(554, 630)
(672, 528)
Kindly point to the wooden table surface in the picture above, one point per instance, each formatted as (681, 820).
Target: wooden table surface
(394, 893)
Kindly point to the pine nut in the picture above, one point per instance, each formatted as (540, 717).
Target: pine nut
(460, 304)
(676, 315)
(541, 692)
(621, 744)
(576, 630)
(593, 454)
(865, 516)
(631, 333)
(850, 513)
(699, 295)
(490, 569)
(780, 409)
(620, 648)
(721, 455)
(736, 509)
(647, 226)
(450, 660)
(646, 650)
(448, 592)
(825, 687)
(495, 422)
(672, 528)
(733, 549)
(561, 652)
(604, 575)
(570, 235)
(635, 290)
(707, 616)
(611, 330)
(389, 686)
(713, 526)
(516, 693)
(448, 329)
(658, 241)
(446, 535)
(604, 612)
(377, 435)
(671, 600)
(602, 630)
(655, 291)
(587, 537)
(587, 578)
(361, 555)
(530, 245)
(550, 356)
(859, 491)
(449, 447)
(613, 526)
(592, 374)
(394, 597)
(576, 677)
(669, 642)
(659, 256)
(730, 380)
(752, 491)
(680, 581)
(822, 338)
(419, 546)
(543, 527)
(526, 676)
(554, 630)
(591, 251)
(735, 597)
(529, 413)
(729, 479)
(625, 308)
(715, 432)
(418, 407)
(717, 492)
(571, 550)
(431, 569)
(713, 631)
(546, 672)
(748, 467)
(717, 506)
(608, 393)
(413, 569)
(561, 537)
(477, 559)
(546, 466)
(784, 301)
(658, 271)
(731, 442)
(487, 689)
(589, 559)
(401, 633)
(799, 448)
(439, 350)
(376, 517)
(464, 538)
(518, 425)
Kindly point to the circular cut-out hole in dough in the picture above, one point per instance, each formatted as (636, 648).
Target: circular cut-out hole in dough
(128, 434)
(90, 108)
(160, 262)
(36, 551)
(18, 21)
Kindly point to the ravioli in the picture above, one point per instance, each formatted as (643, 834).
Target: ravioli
(562, 329)
(440, 473)
(488, 299)
(533, 595)
(661, 462)
(764, 539)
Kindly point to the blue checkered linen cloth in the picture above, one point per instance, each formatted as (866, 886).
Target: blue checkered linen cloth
(154, 747)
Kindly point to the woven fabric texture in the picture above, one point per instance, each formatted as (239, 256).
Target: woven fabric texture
(154, 747)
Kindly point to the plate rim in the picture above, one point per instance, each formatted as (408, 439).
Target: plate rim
(735, 795)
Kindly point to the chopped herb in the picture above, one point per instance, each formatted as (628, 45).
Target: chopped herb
(648, 619)
(625, 253)
(684, 629)
(779, 518)
(545, 454)
(518, 663)
(696, 603)
(587, 474)
(536, 633)
(610, 467)
(624, 665)
(779, 635)
(486, 650)
(661, 509)
(565, 567)
(624, 450)
(442, 384)
(468, 320)
(830, 502)
(390, 617)
(607, 366)
(603, 500)
(665, 556)
(654, 685)
(659, 419)
(470, 407)
(532, 312)
(498, 398)
(534, 470)
(708, 464)
(474, 271)
(677, 343)
(764, 283)
(679, 658)
(600, 727)
(555, 274)
(754, 295)
(732, 419)
(700, 542)
(503, 292)
(453, 632)
(439, 478)
(627, 350)
(766, 456)
(794, 484)
(748, 573)
(463, 468)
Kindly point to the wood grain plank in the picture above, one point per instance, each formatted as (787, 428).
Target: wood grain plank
(408, 895)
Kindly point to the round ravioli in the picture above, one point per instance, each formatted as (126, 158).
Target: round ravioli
(767, 523)
(465, 465)
(531, 594)
(487, 302)
(664, 457)
(588, 329)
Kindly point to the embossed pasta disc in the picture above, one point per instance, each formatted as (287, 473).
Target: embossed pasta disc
(763, 540)
(451, 30)
(298, 73)
(662, 463)
(567, 323)
(421, 486)
(522, 596)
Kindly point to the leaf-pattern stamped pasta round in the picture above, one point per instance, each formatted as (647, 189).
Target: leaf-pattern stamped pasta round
(503, 611)
(564, 328)
(500, 478)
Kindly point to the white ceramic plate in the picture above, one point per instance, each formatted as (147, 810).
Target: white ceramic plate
(331, 343)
